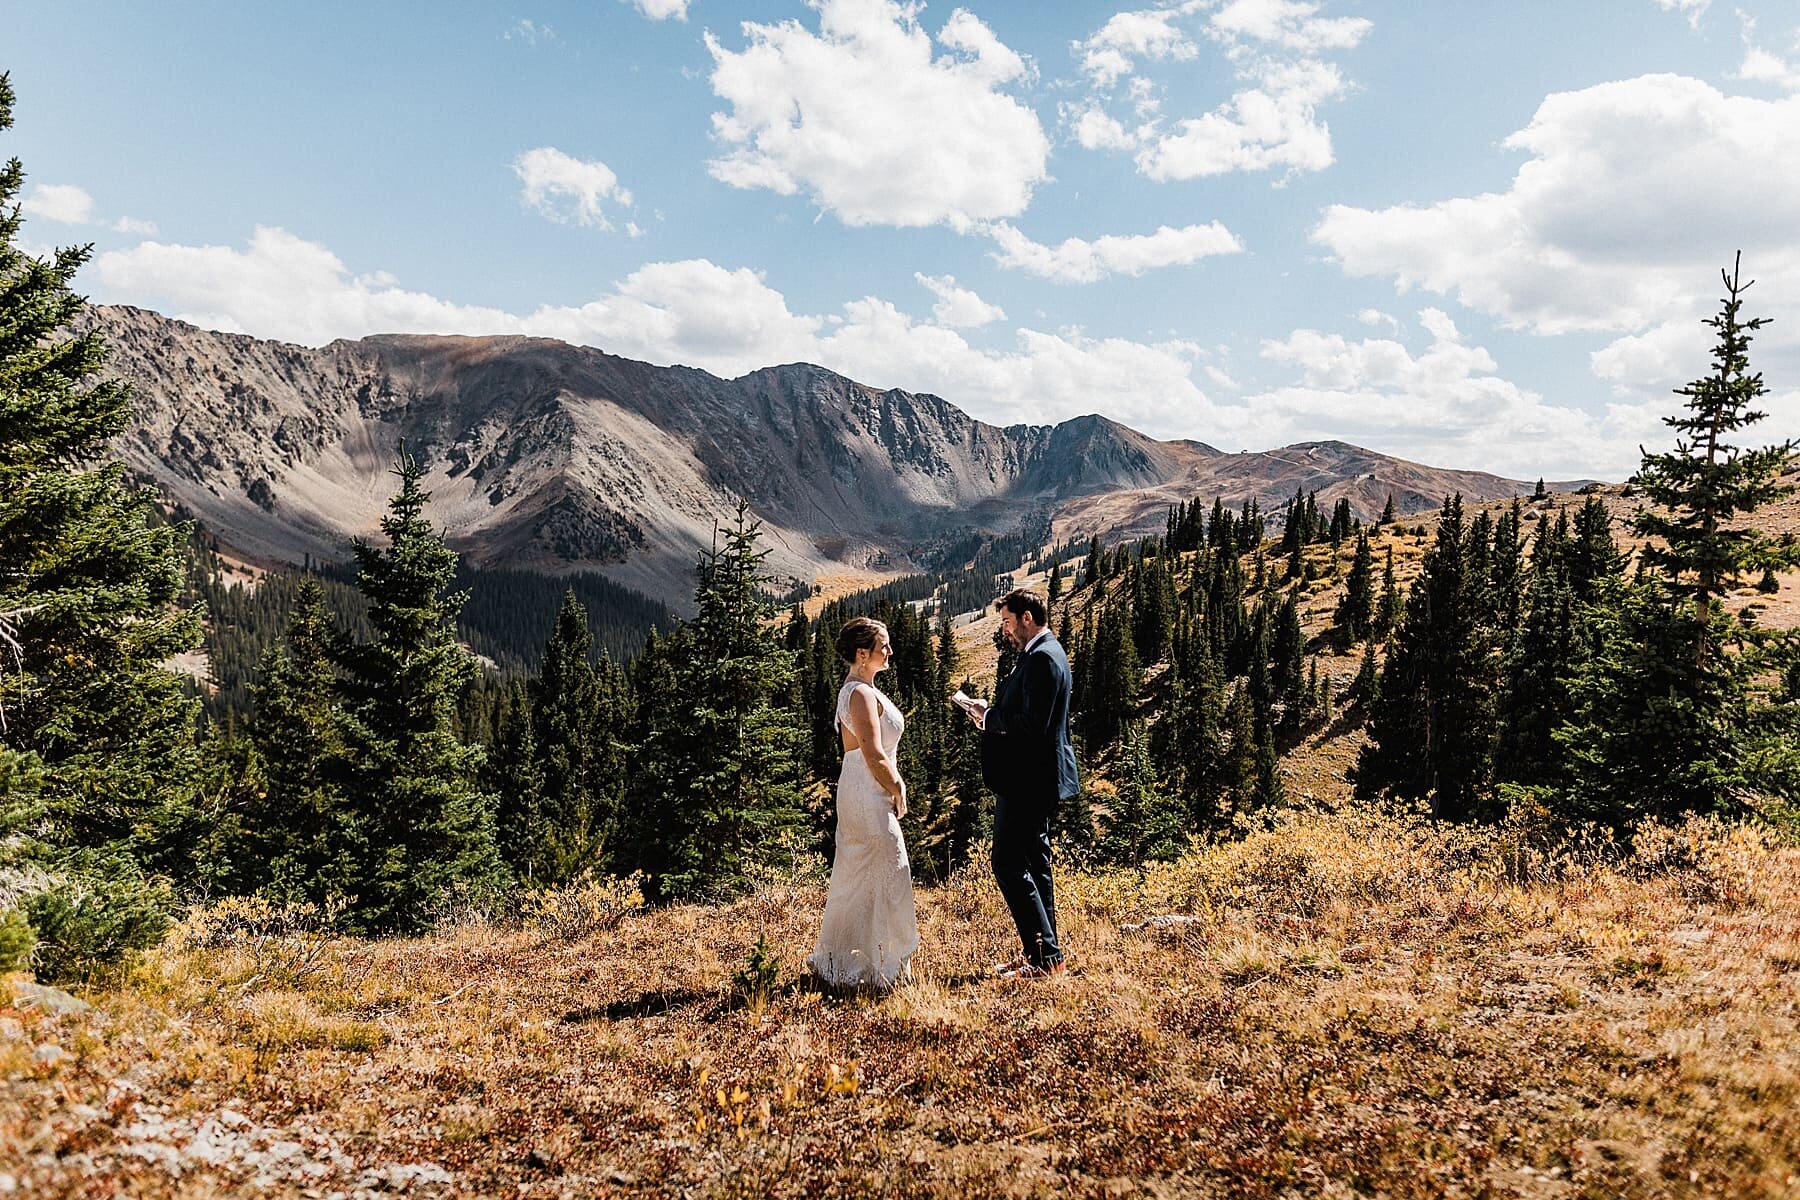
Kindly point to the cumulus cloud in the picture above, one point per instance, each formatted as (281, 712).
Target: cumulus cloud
(1445, 405)
(1113, 50)
(1761, 65)
(67, 204)
(873, 124)
(1272, 122)
(694, 312)
(958, 307)
(1617, 225)
(1693, 9)
(662, 10)
(568, 189)
(1077, 260)
(1290, 24)
(1617, 221)
(61, 202)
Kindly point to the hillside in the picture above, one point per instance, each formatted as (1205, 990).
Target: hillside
(1347, 1006)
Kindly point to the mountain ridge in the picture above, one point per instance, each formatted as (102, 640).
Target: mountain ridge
(551, 456)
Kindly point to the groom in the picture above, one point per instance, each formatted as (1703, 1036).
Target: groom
(1027, 761)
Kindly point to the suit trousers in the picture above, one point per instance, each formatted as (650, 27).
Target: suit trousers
(1022, 869)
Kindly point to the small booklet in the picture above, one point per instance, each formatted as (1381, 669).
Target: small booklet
(964, 701)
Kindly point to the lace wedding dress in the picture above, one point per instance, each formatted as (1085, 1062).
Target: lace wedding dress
(870, 930)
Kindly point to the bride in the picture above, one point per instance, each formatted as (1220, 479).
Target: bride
(870, 929)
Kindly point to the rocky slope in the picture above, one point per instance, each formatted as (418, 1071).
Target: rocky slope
(549, 455)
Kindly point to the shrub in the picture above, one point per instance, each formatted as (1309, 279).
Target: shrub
(95, 909)
(586, 905)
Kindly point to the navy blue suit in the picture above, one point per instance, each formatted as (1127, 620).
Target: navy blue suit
(1029, 764)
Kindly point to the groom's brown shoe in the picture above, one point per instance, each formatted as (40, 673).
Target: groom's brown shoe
(1030, 971)
(1012, 965)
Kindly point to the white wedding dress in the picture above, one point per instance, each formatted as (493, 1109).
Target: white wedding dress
(870, 930)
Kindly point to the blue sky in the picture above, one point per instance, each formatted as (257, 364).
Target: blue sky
(1477, 235)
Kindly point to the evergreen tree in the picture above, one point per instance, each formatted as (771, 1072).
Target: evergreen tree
(1113, 683)
(723, 788)
(1431, 733)
(302, 835)
(1387, 512)
(1365, 689)
(1668, 719)
(514, 773)
(93, 727)
(578, 807)
(1594, 559)
(1142, 822)
(1534, 697)
(430, 827)
(1387, 613)
(1355, 615)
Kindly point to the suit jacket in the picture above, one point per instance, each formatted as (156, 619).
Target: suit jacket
(1025, 749)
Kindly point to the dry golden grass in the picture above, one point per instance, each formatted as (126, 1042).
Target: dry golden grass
(1359, 1005)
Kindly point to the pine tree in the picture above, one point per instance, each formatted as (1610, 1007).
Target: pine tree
(1113, 683)
(1431, 733)
(1355, 615)
(430, 827)
(578, 806)
(1534, 697)
(1387, 613)
(1387, 512)
(514, 773)
(724, 786)
(1365, 690)
(1594, 559)
(1142, 822)
(301, 834)
(90, 585)
(1668, 716)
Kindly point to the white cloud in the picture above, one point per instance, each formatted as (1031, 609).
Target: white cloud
(1110, 53)
(1634, 194)
(1693, 9)
(662, 10)
(531, 33)
(1761, 65)
(1446, 406)
(1374, 316)
(693, 312)
(62, 202)
(1077, 260)
(1290, 24)
(1272, 122)
(68, 204)
(958, 307)
(871, 125)
(568, 189)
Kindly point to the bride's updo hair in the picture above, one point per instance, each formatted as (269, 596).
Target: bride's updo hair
(858, 633)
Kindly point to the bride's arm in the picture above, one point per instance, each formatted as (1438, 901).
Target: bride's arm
(864, 715)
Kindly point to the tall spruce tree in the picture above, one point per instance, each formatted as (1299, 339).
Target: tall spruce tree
(725, 792)
(1431, 732)
(430, 826)
(93, 726)
(1355, 615)
(577, 807)
(1670, 711)
(302, 835)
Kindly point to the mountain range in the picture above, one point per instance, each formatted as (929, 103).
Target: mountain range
(549, 456)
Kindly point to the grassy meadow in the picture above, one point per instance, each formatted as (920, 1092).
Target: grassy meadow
(1355, 1004)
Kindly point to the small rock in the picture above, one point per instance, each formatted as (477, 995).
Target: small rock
(1361, 952)
(11, 1028)
(49, 1055)
(623, 1178)
(51, 1000)
(232, 1119)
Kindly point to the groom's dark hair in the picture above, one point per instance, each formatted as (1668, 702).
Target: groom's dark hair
(1020, 601)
